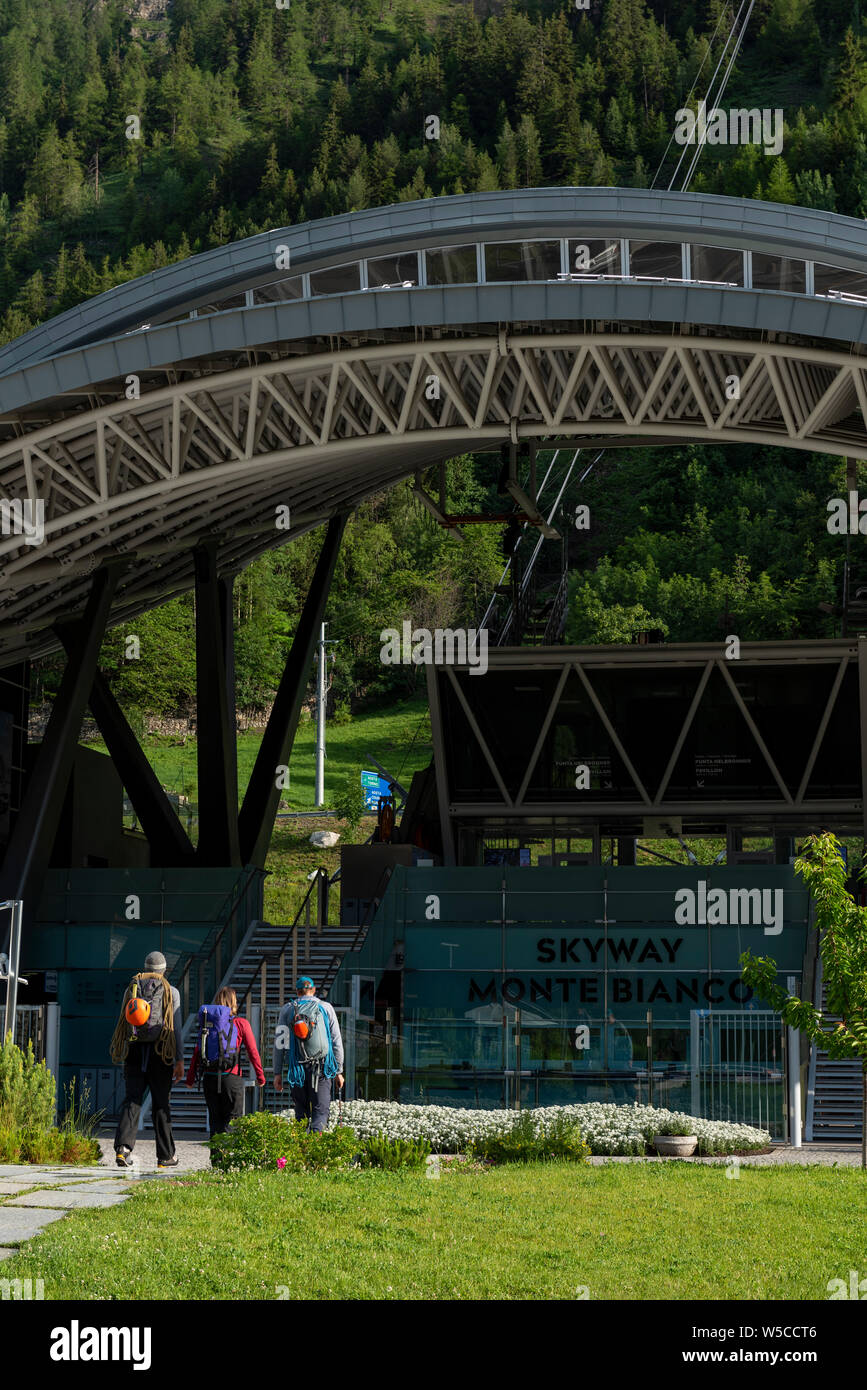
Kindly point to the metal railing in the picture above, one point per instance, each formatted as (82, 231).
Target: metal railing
(738, 1068)
(319, 884)
(221, 942)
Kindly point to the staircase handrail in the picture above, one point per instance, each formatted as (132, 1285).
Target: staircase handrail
(214, 940)
(278, 951)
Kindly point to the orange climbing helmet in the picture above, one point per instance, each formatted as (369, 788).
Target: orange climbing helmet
(138, 1011)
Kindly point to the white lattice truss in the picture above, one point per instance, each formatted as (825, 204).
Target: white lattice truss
(212, 455)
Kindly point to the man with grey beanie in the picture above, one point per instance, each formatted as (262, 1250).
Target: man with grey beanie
(147, 1040)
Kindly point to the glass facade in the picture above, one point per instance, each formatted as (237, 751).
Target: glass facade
(82, 932)
(558, 260)
(613, 984)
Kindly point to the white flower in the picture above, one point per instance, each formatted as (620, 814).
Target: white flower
(607, 1128)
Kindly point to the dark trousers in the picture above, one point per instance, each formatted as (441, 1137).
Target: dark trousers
(145, 1071)
(311, 1102)
(224, 1097)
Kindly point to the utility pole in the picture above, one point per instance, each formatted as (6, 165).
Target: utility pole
(320, 721)
(321, 696)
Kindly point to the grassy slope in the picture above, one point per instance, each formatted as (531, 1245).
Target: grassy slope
(624, 1231)
(398, 738)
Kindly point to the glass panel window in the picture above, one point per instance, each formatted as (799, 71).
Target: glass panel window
(393, 270)
(522, 260)
(661, 259)
(338, 279)
(452, 265)
(779, 273)
(717, 263)
(591, 257)
(235, 301)
(278, 290)
(830, 279)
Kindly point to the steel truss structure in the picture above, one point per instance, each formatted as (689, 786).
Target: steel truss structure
(678, 736)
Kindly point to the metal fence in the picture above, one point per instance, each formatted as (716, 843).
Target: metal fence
(738, 1068)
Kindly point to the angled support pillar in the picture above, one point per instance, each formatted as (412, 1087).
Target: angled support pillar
(169, 844)
(862, 721)
(32, 840)
(226, 588)
(263, 795)
(218, 780)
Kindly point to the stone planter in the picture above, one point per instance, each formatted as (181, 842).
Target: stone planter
(675, 1145)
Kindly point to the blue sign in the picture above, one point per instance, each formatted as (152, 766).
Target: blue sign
(373, 786)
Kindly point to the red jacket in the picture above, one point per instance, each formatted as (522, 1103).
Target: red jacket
(248, 1041)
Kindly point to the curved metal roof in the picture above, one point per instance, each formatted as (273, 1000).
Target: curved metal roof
(317, 403)
(740, 223)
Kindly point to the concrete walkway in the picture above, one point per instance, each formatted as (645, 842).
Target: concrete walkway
(34, 1195)
(825, 1155)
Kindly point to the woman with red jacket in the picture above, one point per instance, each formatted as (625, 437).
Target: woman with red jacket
(224, 1094)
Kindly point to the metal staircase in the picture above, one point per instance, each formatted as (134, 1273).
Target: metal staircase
(835, 1110)
(263, 970)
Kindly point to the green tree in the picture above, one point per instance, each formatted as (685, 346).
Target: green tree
(843, 933)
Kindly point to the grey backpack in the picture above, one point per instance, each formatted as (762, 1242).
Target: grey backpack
(315, 1046)
(151, 988)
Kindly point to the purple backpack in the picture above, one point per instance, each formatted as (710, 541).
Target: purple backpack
(219, 1044)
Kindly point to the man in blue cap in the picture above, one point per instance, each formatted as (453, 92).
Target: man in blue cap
(309, 1047)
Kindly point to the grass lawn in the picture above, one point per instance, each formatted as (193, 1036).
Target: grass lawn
(541, 1231)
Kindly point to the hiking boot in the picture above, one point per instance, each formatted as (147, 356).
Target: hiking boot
(169, 1162)
(123, 1158)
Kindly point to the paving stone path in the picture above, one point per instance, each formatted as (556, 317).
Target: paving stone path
(32, 1196)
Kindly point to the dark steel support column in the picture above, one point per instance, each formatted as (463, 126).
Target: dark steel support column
(226, 588)
(32, 840)
(218, 781)
(263, 795)
(169, 842)
(862, 723)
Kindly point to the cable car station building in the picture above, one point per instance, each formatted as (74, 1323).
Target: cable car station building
(160, 430)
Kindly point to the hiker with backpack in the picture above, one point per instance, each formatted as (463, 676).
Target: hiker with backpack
(147, 1041)
(217, 1059)
(308, 1046)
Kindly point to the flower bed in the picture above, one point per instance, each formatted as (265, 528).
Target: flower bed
(608, 1129)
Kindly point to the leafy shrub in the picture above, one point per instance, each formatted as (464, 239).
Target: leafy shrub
(675, 1128)
(27, 1089)
(379, 1152)
(263, 1140)
(528, 1141)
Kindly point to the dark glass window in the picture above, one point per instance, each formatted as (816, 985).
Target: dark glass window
(338, 279)
(278, 290)
(717, 263)
(393, 270)
(594, 257)
(452, 265)
(658, 258)
(832, 277)
(779, 273)
(522, 260)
